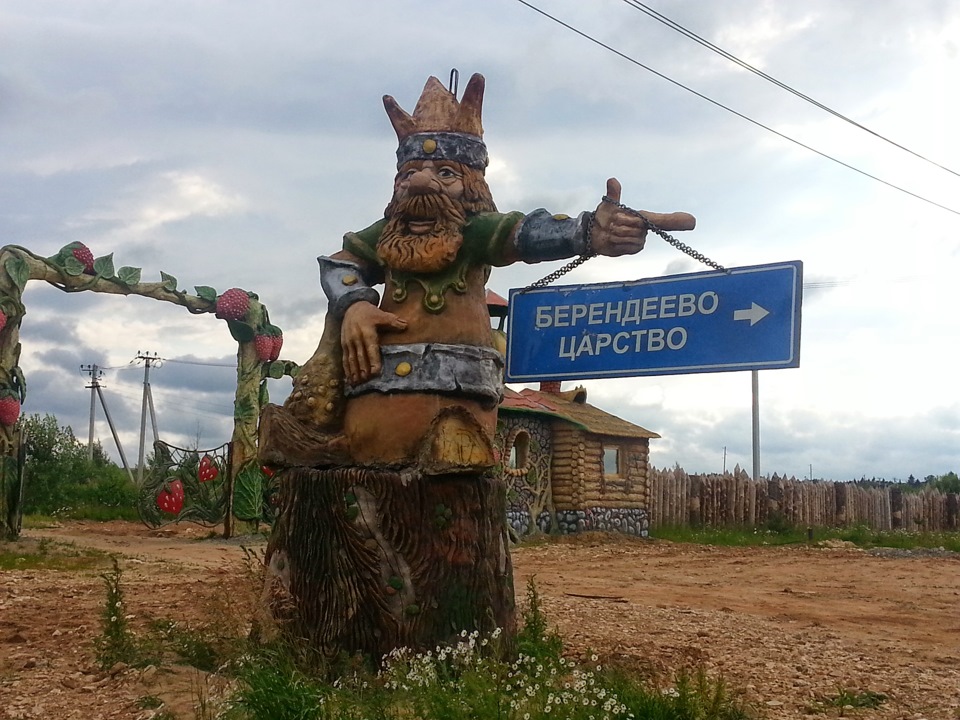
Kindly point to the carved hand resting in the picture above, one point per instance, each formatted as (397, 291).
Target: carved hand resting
(361, 339)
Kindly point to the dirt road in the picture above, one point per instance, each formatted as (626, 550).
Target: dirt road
(792, 627)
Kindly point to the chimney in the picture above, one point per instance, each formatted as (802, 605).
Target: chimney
(550, 386)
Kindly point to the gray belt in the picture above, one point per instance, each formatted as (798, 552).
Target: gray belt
(439, 368)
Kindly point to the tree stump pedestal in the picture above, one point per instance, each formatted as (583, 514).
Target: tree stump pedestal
(365, 560)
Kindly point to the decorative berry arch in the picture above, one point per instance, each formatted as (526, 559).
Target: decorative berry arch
(74, 269)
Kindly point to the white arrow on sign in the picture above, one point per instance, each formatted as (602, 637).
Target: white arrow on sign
(754, 314)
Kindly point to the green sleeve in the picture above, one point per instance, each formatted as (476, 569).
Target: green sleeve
(363, 244)
(489, 235)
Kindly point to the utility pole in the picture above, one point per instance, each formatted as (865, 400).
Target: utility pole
(96, 390)
(95, 375)
(148, 360)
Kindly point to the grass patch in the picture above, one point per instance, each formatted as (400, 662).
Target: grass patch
(861, 536)
(206, 646)
(471, 678)
(731, 537)
(848, 701)
(42, 554)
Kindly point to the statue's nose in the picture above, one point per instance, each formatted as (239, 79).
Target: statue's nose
(420, 181)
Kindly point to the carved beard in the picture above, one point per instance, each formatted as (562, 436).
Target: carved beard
(431, 252)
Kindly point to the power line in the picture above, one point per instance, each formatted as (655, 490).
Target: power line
(196, 362)
(732, 111)
(673, 25)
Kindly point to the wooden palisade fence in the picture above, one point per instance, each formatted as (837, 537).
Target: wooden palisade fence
(733, 499)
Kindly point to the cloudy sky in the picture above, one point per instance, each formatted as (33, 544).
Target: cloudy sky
(230, 143)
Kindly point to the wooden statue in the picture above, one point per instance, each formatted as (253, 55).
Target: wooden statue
(392, 527)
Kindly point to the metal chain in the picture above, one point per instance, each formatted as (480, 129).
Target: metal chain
(577, 262)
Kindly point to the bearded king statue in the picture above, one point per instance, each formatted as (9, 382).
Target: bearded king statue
(392, 529)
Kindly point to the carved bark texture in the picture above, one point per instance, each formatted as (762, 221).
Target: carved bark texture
(365, 561)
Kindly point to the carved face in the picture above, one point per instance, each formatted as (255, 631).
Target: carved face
(425, 218)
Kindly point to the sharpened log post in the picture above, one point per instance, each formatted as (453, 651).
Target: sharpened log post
(896, 508)
(953, 511)
(696, 500)
(840, 503)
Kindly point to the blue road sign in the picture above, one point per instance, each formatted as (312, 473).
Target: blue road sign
(747, 318)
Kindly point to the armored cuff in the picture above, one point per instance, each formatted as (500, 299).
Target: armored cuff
(542, 236)
(343, 284)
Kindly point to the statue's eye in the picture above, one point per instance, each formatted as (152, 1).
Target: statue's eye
(447, 172)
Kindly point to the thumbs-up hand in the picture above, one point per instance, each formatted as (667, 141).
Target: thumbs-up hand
(619, 231)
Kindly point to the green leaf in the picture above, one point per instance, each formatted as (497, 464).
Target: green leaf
(18, 270)
(276, 369)
(206, 292)
(129, 275)
(169, 281)
(72, 266)
(243, 409)
(242, 332)
(103, 266)
(264, 394)
(248, 493)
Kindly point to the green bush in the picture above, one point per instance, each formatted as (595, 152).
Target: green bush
(61, 479)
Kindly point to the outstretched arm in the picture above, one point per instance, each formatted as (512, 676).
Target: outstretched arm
(612, 230)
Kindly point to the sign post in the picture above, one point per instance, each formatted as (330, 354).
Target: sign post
(745, 318)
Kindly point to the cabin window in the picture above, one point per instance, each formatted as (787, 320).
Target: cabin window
(612, 461)
(519, 451)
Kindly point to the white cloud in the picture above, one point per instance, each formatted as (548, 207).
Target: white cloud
(231, 144)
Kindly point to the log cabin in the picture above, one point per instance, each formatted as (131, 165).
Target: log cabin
(569, 466)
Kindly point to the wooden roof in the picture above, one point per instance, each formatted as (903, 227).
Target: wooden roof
(572, 407)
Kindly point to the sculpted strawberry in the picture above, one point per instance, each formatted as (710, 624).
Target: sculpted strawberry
(268, 342)
(233, 304)
(3, 320)
(170, 500)
(264, 345)
(277, 345)
(82, 253)
(9, 410)
(208, 470)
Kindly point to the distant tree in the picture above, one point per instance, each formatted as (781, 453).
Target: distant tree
(59, 472)
(948, 483)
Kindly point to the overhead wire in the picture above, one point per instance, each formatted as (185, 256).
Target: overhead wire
(673, 25)
(197, 362)
(720, 105)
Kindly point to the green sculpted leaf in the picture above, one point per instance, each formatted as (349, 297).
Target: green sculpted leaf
(169, 281)
(243, 409)
(242, 332)
(103, 266)
(206, 292)
(129, 275)
(18, 270)
(72, 266)
(248, 492)
(276, 370)
(264, 394)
